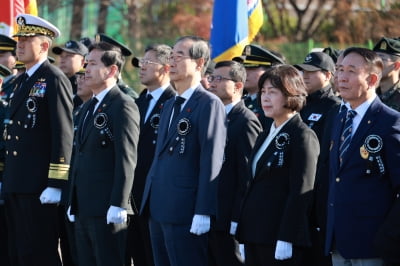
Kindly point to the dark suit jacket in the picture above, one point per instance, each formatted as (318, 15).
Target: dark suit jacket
(358, 202)
(105, 159)
(277, 202)
(147, 140)
(183, 182)
(243, 130)
(39, 136)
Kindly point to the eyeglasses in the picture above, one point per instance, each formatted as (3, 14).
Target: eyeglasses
(217, 78)
(143, 63)
(177, 58)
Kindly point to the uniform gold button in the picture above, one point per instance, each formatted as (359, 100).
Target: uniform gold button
(16, 137)
(337, 179)
(15, 153)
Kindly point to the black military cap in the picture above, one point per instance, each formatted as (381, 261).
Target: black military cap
(72, 47)
(4, 71)
(7, 44)
(332, 52)
(101, 37)
(256, 56)
(317, 61)
(388, 46)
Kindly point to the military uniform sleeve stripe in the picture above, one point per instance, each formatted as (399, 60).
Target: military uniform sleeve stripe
(59, 171)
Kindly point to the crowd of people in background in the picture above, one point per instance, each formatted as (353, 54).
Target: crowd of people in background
(249, 161)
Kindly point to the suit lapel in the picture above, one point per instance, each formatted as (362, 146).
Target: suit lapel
(271, 149)
(366, 123)
(186, 112)
(168, 93)
(103, 106)
(22, 93)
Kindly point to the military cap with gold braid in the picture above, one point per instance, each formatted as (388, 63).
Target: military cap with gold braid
(30, 26)
(388, 46)
(256, 56)
(4, 71)
(7, 44)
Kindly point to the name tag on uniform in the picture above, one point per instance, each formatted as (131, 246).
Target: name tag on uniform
(314, 117)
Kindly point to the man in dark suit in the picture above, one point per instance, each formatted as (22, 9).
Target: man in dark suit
(38, 147)
(364, 173)
(256, 60)
(154, 74)
(227, 83)
(181, 187)
(104, 162)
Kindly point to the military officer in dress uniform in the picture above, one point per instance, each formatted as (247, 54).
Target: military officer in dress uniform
(8, 59)
(256, 60)
(38, 137)
(389, 88)
(126, 52)
(154, 74)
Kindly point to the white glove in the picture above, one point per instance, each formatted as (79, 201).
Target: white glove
(200, 224)
(71, 217)
(232, 231)
(116, 215)
(50, 195)
(241, 250)
(283, 250)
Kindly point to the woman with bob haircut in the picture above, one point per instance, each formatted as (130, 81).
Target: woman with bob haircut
(274, 218)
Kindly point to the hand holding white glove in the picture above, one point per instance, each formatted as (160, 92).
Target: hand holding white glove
(116, 215)
(283, 250)
(71, 217)
(50, 195)
(233, 228)
(200, 224)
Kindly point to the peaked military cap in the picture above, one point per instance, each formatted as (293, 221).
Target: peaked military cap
(388, 46)
(19, 65)
(256, 56)
(317, 61)
(101, 37)
(4, 71)
(72, 47)
(29, 26)
(7, 43)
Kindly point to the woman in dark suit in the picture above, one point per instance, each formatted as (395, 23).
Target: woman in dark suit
(274, 219)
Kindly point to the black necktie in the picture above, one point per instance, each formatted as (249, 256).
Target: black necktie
(177, 107)
(146, 106)
(89, 114)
